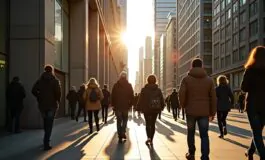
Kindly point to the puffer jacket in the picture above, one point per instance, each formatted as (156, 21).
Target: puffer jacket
(93, 105)
(143, 103)
(197, 93)
(225, 98)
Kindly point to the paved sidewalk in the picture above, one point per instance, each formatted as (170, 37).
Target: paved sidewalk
(72, 142)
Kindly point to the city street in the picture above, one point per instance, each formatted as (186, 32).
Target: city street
(70, 141)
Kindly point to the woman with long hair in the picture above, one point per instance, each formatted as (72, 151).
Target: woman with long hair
(151, 103)
(225, 100)
(254, 85)
(93, 96)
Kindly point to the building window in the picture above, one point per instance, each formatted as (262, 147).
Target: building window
(222, 5)
(235, 7)
(253, 27)
(223, 34)
(216, 63)
(253, 45)
(218, 21)
(235, 56)
(242, 2)
(223, 19)
(253, 9)
(228, 60)
(216, 50)
(242, 53)
(222, 62)
(228, 30)
(228, 46)
(242, 35)
(216, 36)
(243, 17)
(235, 23)
(228, 14)
(222, 48)
(235, 39)
(228, 2)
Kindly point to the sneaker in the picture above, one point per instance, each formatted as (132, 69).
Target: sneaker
(225, 131)
(147, 142)
(91, 131)
(190, 156)
(46, 148)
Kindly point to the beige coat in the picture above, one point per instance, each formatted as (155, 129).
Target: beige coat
(197, 94)
(92, 105)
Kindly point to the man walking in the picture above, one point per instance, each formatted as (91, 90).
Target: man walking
(15, 95)
(197, 95)
(105, 103)
(47, 91)
(174, 101)
(121, 100)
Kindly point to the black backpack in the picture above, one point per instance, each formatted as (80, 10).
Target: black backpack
(155, 100)
(93, 97)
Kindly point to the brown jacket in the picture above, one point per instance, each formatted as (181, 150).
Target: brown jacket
(197, 93)
(92, 105)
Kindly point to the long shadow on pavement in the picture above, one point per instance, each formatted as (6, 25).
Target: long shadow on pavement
(138, 120)
(153, 154)
(168, 133)
(117, 151)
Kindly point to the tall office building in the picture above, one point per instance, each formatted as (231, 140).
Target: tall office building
(238, 26)
(77, 37)
(141, 66)
(171, 54)
(148, 48)
(161, 10)
(194, 19)
(162, 55)
(147, 66)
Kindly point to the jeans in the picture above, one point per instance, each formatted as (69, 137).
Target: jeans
(221, 118)
(48, 118)
(203, 124)
(15, 117)
(104, 112)
(122, 119)
(80, 108)
(257, 123)
(175, 112)
(90, 119)
(150, 120)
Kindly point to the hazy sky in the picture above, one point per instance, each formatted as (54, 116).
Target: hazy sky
(139, 25)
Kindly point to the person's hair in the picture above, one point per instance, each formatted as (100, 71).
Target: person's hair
(197, 62)
(73, 88)
(151, 79)
(105, 86)
(123, 75)
(174, 90)
(222, 79)
(93, 81)
(49, 68)
(256, 58)
(16, 79)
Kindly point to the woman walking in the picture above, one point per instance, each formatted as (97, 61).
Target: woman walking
(151, 103)
(81, 102)
(254, 85)
(225, 100)
(72, 98)
(93, 96)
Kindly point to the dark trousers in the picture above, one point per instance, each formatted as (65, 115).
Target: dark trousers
(175, 112)
(150, 120)
(122, 119)
(257, 123)
(90, 119)
(104, 112)
(15, 118)
(168, 107)
(221, 118)
(183, 113)
(81, 107)
(72, 108)
(159, 115)
(48, 118)
(203, 124)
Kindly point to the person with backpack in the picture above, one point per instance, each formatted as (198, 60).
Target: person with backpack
(72, 98)
(197, 95)
(47, 91)
(93, 96)
(81, 102)
(151, 103)
(122, 101)
(174, 101)
(105, 103)
(15, 94)
(225, 100)
(253, 85)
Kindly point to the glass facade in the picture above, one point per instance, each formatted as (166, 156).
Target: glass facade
(3, 63)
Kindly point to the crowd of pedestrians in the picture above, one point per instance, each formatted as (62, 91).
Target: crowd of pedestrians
(198, 98)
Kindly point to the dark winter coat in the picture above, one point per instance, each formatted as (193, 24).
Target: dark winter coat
(254, 84)
(80, 93)
(144, 99)
(197, 93)
(106, 99)
(72, 97)
(15, 95)
(122, 96)
(47, 90)
(174, 100)
(225, 98)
